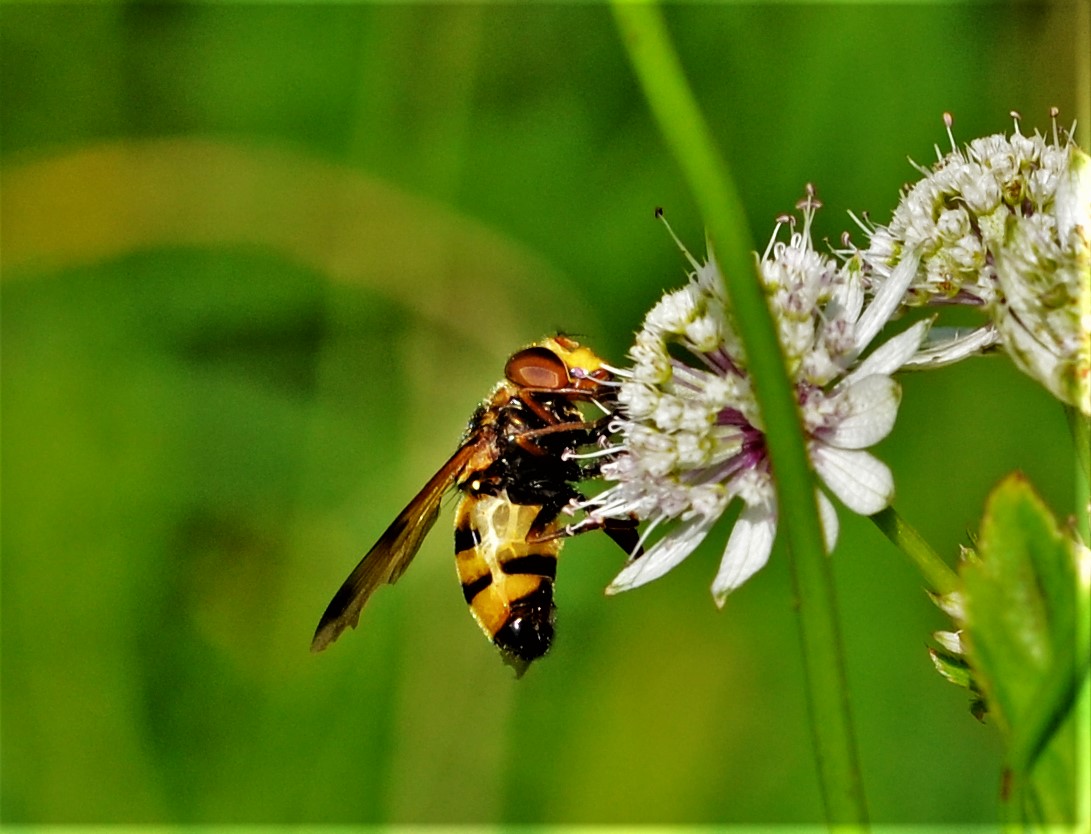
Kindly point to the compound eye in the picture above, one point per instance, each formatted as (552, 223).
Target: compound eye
(537, 367)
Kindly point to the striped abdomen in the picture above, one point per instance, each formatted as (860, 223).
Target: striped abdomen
(507, 581)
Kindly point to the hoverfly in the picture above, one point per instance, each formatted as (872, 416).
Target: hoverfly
(515, 479)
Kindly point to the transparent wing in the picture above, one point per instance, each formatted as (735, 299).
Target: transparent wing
(392, 553)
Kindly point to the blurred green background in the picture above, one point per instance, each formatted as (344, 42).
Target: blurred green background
(259, 265)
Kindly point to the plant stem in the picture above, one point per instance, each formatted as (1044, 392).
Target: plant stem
(1081, 441)
(1080, 427)
(645, 37)
(941, 579)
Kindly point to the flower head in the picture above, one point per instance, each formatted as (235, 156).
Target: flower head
(1004, 224)
(692, 437)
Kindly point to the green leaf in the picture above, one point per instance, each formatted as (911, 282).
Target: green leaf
(1020, 636)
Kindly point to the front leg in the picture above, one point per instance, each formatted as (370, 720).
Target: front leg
(527, 439)
(623, 531)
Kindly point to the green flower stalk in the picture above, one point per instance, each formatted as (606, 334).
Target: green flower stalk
(659, 71)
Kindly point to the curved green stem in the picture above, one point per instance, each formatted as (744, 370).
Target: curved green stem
(941, 579)
(645, 37)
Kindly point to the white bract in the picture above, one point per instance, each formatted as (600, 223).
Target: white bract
(691, 436)
(1002, 224)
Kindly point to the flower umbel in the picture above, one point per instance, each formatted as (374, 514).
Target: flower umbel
(1003, 224)
(691, 434)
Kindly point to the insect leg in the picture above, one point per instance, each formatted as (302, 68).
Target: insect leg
(622, 530)
(591, 429)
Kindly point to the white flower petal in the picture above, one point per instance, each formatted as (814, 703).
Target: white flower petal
(862, 482)
(747, 550)
(827, 514)
(1035, 356)
(891, 355)
(664, 555)
(1044, 281)
(1073, 198)
(887, 299)
(947, 345)
(870, 407)
(847, 299)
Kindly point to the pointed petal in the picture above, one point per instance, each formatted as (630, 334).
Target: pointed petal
(747, 550)
(891, 355)
(870, 406)
(862, 482)
(827, 513)
(1073, 199)
(886, 300)
(665, 554)
(947, 345)
(847, 299)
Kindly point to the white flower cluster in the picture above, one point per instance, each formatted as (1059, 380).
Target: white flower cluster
(1003, 224)
(692, 438)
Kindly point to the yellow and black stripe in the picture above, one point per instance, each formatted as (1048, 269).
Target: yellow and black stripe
(506, 580)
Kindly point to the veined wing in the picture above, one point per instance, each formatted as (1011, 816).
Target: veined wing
(392, 553)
